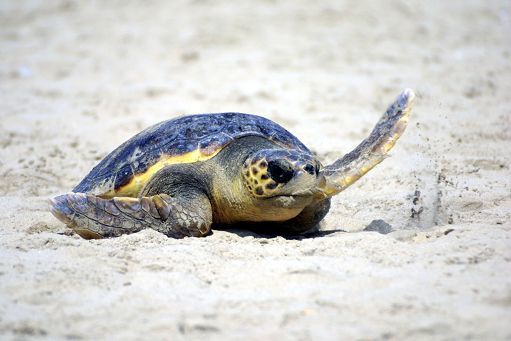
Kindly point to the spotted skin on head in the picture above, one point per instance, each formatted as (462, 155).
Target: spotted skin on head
(257, 180)
(257, 169)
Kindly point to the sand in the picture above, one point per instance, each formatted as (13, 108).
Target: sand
(419, 248)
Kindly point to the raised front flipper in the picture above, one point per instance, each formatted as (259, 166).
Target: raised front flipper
(373, 150)
(93, 217)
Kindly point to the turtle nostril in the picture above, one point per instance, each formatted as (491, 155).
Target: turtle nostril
(309, 169)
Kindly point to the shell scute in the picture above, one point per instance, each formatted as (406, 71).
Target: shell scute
(181, 140)
(123, 176)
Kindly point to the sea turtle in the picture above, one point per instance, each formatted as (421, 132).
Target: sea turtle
(184, 176)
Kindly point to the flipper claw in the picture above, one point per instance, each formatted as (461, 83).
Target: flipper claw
(60, 209)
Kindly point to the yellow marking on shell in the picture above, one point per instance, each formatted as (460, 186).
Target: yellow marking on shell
(133, 188)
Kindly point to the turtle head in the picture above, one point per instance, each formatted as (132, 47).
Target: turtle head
(281, 173)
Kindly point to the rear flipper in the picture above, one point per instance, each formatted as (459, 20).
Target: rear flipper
(373, 150)
(92, 217)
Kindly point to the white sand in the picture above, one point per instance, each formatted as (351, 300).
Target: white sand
(77, 79)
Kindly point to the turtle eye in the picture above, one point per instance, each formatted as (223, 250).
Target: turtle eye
(280, 171)
(309, 169)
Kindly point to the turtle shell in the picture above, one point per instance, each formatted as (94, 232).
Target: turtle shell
(185, 139)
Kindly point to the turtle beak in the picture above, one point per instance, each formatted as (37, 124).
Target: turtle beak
(320, 190)
(304, 184)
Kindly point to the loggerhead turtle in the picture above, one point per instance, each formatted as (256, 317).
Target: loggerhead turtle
(185, 175)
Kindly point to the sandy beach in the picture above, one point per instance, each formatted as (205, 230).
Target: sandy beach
(420, 248)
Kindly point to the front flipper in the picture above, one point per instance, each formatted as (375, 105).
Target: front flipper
(373, 150)
(92, 217)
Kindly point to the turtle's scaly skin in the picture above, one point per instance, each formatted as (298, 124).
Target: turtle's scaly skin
(183, 176)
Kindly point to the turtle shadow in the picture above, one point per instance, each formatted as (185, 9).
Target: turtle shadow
(312, 234)
(268, 235)
(378, 225)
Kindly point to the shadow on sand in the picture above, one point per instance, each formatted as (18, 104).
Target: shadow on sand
(378, 225)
